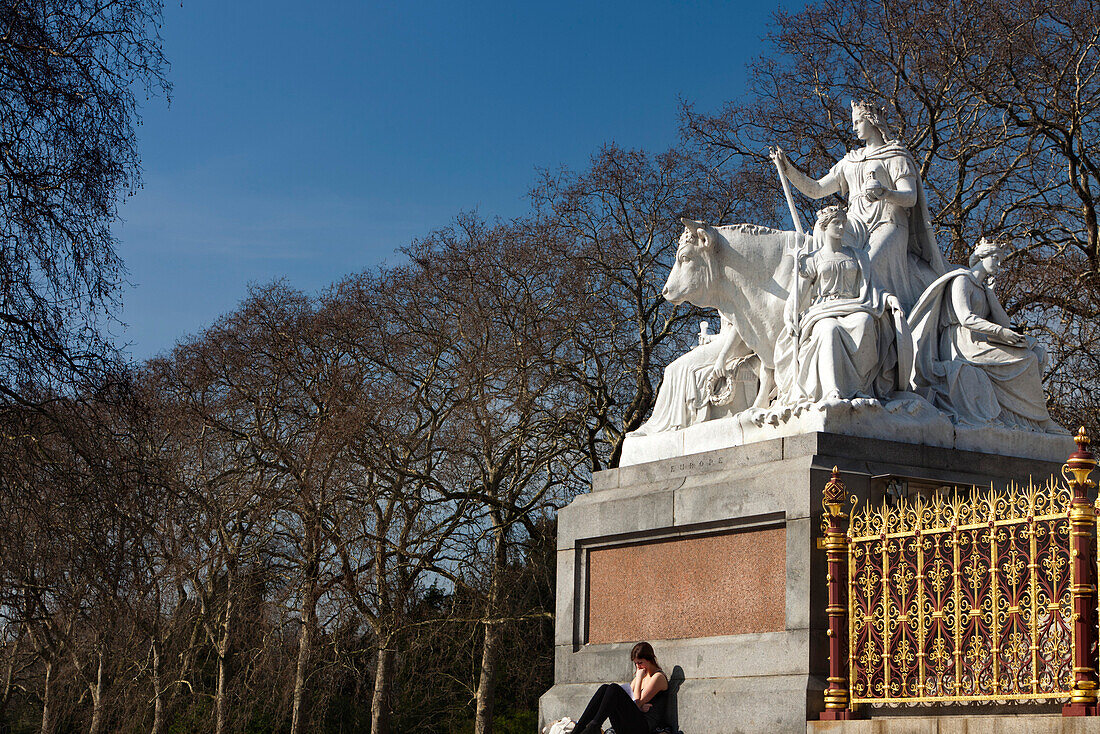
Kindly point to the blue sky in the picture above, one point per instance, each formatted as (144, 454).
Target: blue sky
(307, 141)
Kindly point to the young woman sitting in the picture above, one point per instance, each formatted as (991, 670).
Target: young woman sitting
(642, 710)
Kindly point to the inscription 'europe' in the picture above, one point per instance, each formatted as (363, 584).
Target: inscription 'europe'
(690, 465)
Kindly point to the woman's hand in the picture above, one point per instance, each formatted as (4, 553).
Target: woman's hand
(644, 706)
(873, 188)
(1010, 337)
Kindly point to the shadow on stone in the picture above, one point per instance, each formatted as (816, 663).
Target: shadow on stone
(672, 713)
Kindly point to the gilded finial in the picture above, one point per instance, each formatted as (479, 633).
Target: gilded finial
(1081, 462)
(1082, 439)
(834, 494)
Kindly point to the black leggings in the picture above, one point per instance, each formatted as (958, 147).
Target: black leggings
(612, 702)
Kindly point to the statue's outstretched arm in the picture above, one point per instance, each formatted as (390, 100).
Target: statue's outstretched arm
(819, 189)
(974, 322)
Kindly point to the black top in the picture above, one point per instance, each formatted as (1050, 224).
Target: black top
(658, 708)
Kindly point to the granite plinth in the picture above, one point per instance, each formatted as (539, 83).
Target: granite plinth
(769, 678)
(908, 421)
(697, 598)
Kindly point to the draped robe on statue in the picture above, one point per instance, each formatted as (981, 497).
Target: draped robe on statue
(963, 369)
(850, 342)
(902, 250)
(683, 399)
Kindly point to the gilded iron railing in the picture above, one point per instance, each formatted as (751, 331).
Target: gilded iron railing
(964, 596)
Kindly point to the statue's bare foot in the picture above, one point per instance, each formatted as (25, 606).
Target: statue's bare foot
(758, 415)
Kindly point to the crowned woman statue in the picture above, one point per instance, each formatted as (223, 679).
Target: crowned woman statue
(885, 192)
(970, 362)
(847, 338)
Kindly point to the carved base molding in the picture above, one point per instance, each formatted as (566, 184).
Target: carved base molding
(907, 421)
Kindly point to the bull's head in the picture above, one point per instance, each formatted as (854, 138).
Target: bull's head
(691, 277)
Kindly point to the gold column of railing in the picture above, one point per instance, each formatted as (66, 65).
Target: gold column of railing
(964, 597)
(836, 552)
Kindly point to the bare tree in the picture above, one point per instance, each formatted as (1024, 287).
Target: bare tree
(398, 520)
(617, 224)
(503, 304)
(223, 504)
(68, 152)
(280, 385)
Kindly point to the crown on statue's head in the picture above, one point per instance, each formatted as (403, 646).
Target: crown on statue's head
(989, 245)
(824, 215)
(868, 107)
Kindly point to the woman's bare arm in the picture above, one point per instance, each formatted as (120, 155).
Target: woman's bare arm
(636, 685)
(650, 688)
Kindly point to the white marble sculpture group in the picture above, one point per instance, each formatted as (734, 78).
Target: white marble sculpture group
(863, 313)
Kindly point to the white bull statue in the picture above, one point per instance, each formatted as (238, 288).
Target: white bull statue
(744, 271)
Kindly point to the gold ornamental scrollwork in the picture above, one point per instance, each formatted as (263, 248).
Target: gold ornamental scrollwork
(964, 595)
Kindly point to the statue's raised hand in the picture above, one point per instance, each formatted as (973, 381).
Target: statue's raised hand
(778, 155)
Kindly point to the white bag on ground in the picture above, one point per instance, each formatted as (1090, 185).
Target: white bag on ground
(564, 725)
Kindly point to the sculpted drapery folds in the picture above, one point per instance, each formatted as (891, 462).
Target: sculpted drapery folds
(970, 361)
(999, 104)
(686, 395)
(884, 190)
(849, 340)
(832, 326)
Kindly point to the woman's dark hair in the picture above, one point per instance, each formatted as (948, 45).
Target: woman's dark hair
(644, 651)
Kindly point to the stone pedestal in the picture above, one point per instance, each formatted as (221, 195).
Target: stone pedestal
(712, 557)
(911, 421)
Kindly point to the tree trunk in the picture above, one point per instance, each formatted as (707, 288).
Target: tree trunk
(186, 663)
(158, 697)
(223, 654)
(47, 715)
(305, 638)
(490, 646)
(383, 672)
(5, 698)
(380, 701)
(305, 641)
(219, 701)
(97, 698)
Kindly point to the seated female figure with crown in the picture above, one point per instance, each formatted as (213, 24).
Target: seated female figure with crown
(847, 339)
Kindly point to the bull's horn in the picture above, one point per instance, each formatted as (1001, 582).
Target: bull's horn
(693, 223)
